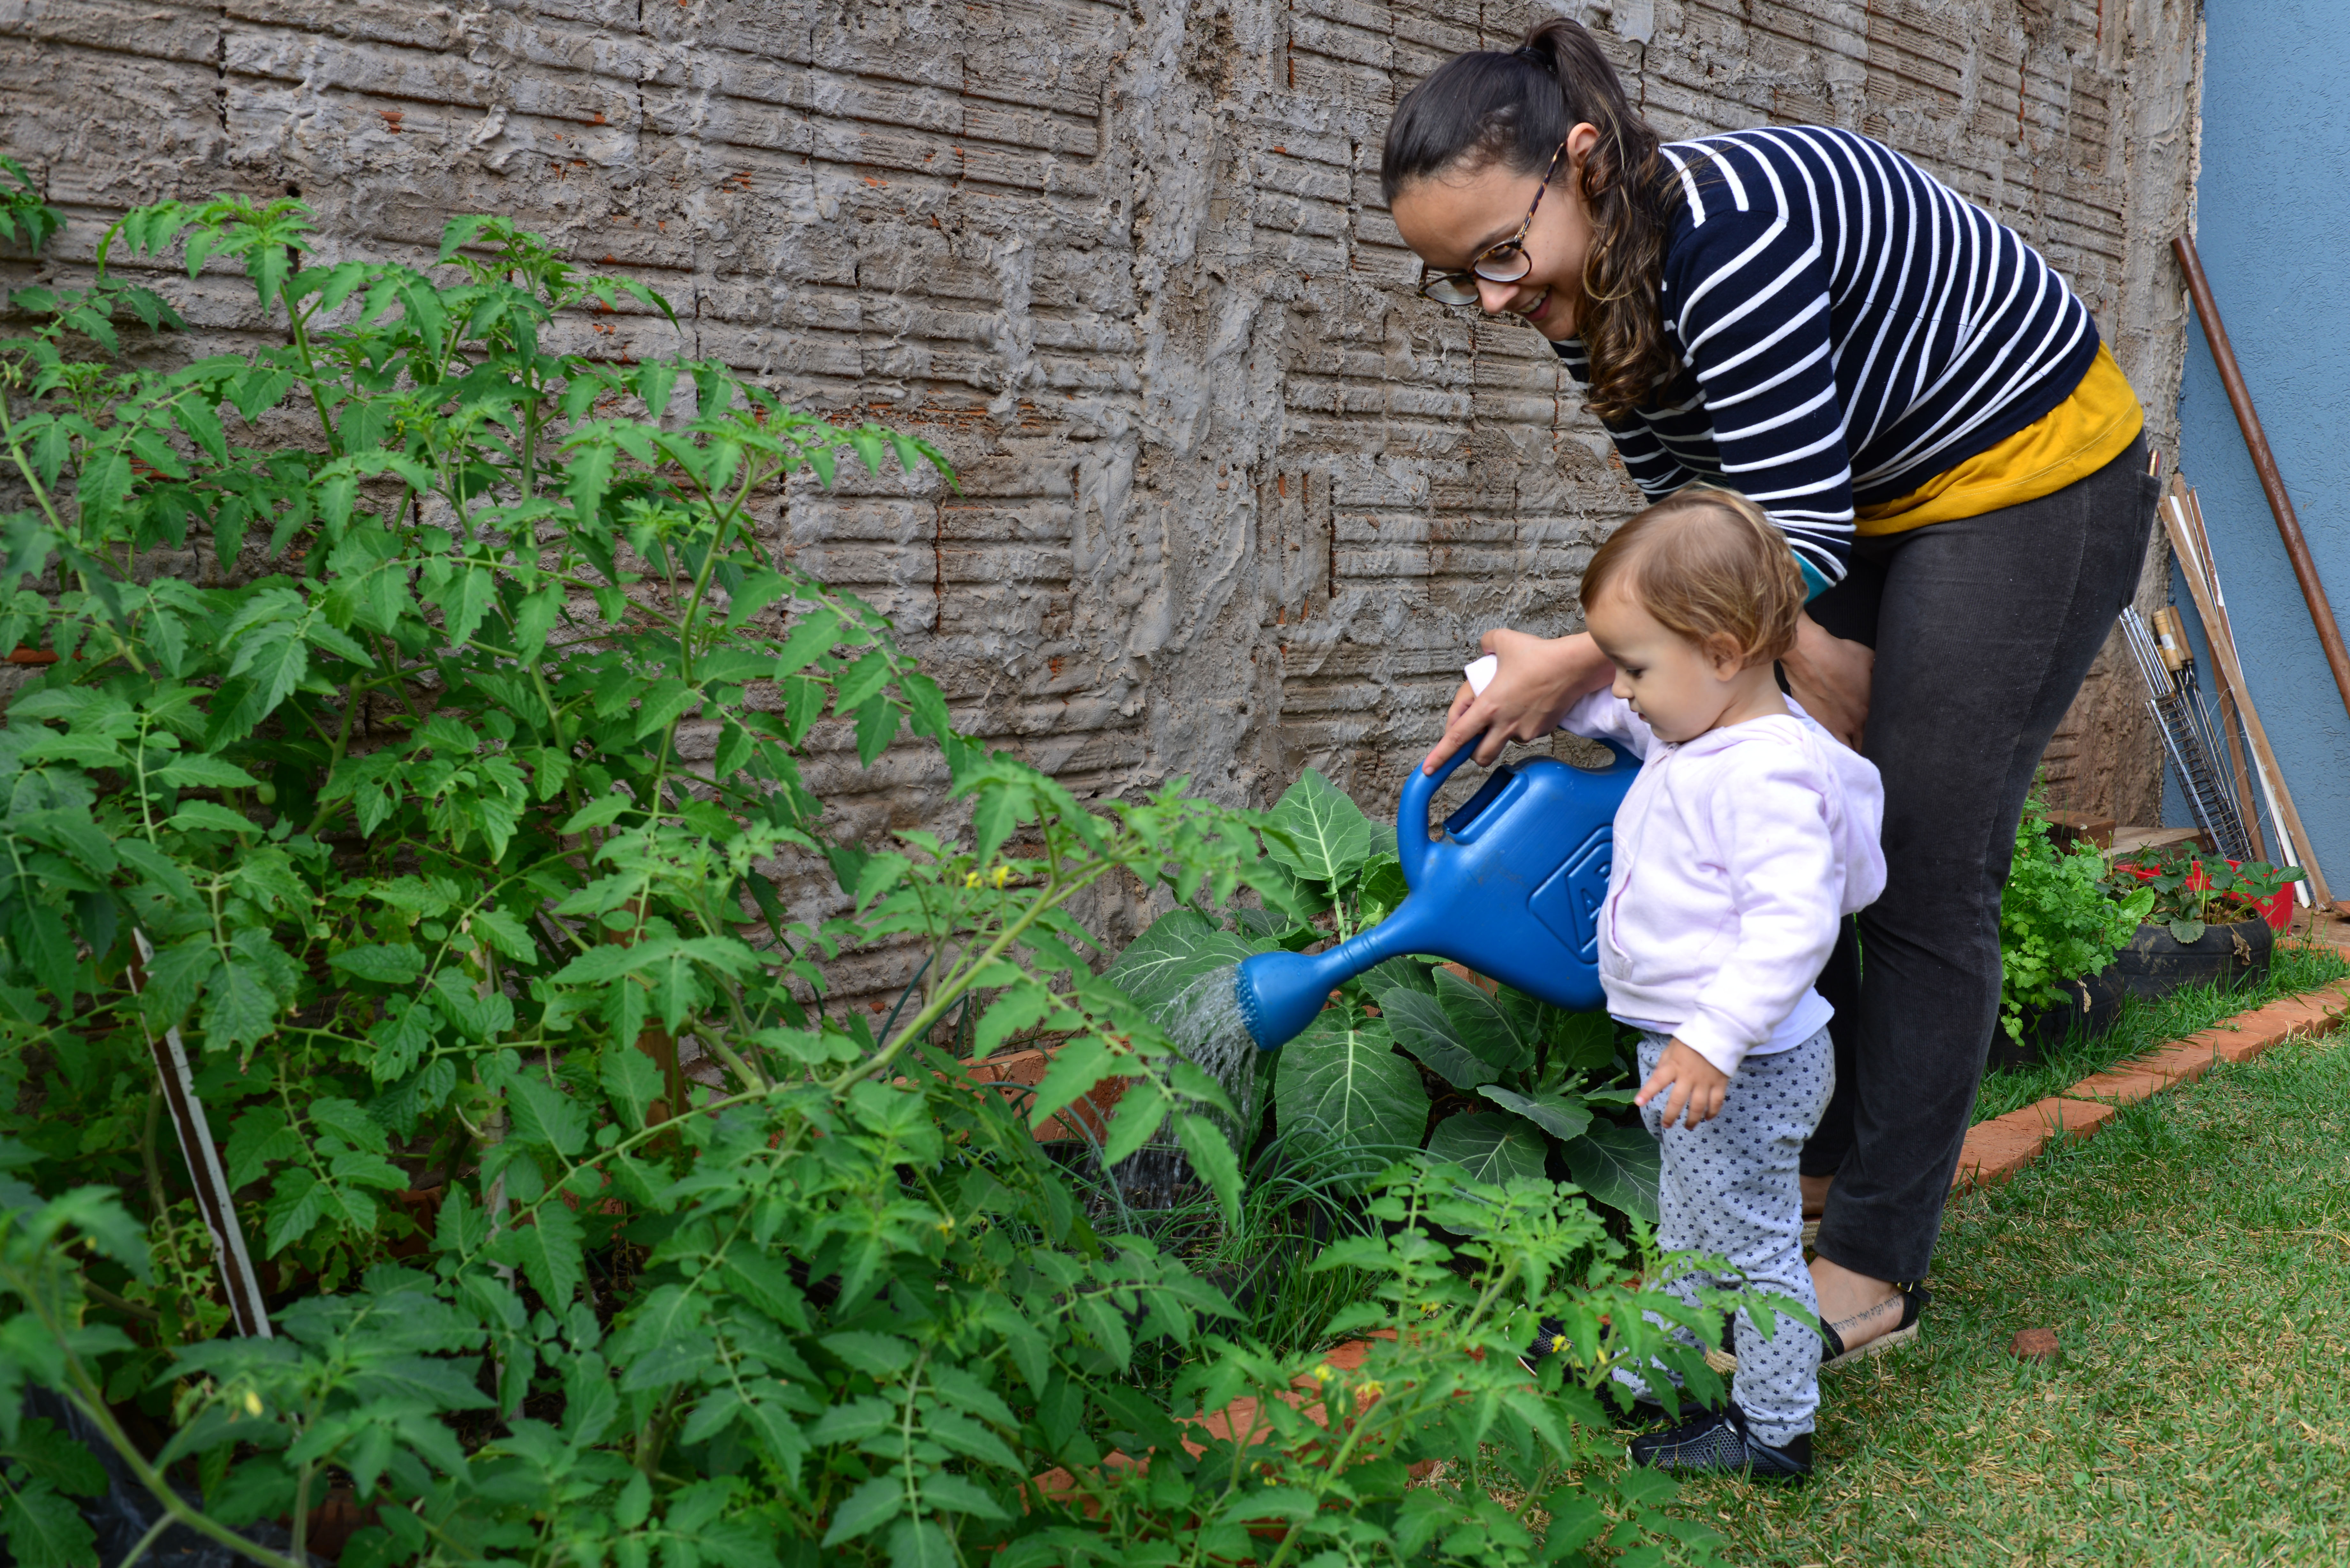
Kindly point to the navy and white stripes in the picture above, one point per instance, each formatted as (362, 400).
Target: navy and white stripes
(1848, 328)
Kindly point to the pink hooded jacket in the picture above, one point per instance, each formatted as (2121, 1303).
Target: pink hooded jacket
(1736, 854)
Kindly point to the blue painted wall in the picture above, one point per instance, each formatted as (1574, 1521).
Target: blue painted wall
(2273, 230)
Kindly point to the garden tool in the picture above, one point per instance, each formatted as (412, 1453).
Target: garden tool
(2185, 733)
(1513, 888)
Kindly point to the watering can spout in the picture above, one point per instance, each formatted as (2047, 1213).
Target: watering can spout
(1281, 992)
(1513, 889)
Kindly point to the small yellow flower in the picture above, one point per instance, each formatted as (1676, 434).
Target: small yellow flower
(970, 880)
(1369, 1388)
(1323, 1374)
(252, 1403)
(1001, 874)
(1558, 1344)
(946, 1225)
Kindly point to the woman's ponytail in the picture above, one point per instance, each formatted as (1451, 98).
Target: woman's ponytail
(1514, 108)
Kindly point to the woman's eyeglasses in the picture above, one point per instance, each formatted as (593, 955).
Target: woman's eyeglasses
(1505, 262)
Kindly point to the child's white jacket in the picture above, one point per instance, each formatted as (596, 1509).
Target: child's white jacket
(1736, 855)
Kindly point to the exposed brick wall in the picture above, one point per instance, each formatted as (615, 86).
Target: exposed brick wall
(1234, 501)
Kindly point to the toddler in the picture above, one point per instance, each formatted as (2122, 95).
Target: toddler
(1748, 835)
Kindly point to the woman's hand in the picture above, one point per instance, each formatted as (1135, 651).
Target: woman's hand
(1539, 680)
(1699, 1087)
(1831, 677)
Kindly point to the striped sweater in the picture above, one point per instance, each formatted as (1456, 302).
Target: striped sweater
(1848, 328)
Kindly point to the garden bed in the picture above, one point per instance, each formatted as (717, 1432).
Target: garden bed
(2142, 1025)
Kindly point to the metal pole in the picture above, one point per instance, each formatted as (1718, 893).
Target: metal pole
(2240, 397)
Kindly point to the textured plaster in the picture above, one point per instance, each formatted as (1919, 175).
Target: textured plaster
(1234, 501)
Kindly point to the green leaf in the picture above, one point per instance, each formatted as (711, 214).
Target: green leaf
(1422, 1026)
(995, 812)
(1211, 1156)
(1489, 1146)
(294, 1209)
(1555, 1114)
(817, 630)
(44, 946)
(1479, 1024)
(1620, 1167)
(1581, 1042)
(1166, 960)
(549, 1249)
(922, 1543)
(240, 1008)
(1342, 1093)
(44, 1530)
(664, 700)
(544, 1115)
(869, 1508)
(384, 963)
(883, 1355)
(207, 816)
(535, 619)
(2186, 934)
(877, 726)
(759, 590)
(597, 813)
(275, 661)
(1327, 837)
(631, 1081)
(862, 680)
(203, 771)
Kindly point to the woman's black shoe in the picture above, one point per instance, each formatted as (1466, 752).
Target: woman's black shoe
(1717, 1443)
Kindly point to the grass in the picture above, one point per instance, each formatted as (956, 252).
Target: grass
(2195, 1261)
(2142, 1025)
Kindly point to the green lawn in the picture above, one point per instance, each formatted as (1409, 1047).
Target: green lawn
(2195, 1261)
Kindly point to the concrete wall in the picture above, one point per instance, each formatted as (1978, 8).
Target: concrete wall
(2267, 241)
(1235, 501)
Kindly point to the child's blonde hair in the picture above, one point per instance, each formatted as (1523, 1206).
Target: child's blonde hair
(1707, 563)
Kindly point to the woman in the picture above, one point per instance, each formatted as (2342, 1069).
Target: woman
(1925, 409)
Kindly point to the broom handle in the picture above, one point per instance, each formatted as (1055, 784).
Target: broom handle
(2223, 654)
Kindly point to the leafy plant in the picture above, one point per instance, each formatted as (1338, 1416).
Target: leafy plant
(461, 843)
(2057, 921)
(25, 218)
(2191, 894)
(1410, 1054)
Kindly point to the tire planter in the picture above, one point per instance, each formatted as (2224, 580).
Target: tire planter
(2157, 963)
(2096, 1002)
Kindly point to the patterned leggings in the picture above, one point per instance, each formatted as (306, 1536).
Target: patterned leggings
(1730, 1190)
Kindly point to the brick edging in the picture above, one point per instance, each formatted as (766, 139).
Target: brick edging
(1997, 1149)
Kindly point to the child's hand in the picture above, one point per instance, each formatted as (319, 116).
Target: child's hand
(1695, 1082)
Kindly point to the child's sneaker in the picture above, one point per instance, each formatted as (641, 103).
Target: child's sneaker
(1717, 1443)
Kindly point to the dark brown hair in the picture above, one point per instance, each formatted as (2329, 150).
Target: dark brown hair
(1707, 563)
(1515, 108)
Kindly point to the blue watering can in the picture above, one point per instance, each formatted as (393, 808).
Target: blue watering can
(1513, 890)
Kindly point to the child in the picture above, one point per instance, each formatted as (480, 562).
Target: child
(1749, 833)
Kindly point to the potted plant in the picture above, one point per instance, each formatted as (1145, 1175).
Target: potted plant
(2059, 928)
(2208, 921)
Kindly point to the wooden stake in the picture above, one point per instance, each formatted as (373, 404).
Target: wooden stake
(211, 1182)
(2202, 582)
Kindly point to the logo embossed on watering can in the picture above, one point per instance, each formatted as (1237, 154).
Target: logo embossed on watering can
(1513, 890)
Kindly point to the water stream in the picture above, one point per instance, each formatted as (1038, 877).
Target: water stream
(1204, 1023)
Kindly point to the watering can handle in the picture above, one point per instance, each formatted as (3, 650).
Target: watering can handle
(1411, 813)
